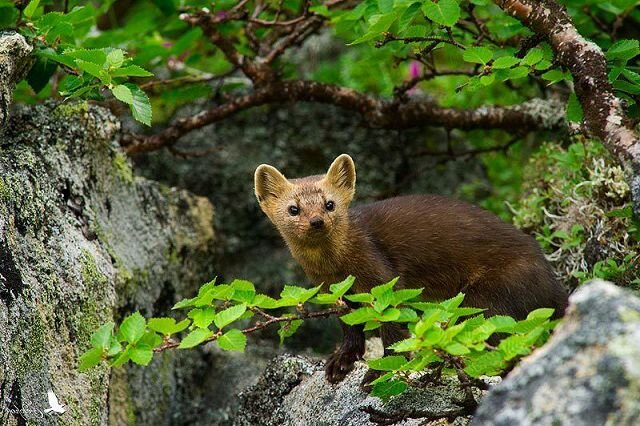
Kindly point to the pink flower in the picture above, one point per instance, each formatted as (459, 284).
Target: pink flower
(415, 69)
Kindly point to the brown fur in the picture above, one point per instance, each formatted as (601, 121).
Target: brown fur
(442, 245)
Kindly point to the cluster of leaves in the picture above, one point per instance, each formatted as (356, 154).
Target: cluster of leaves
(444, 335)
(577, 203)
(61, 40)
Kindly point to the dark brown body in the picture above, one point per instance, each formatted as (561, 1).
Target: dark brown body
(444, 246)
(432, 242)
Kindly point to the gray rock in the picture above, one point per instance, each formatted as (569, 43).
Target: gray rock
(82, 242)
(293, 391)
(587, 374)
(15, 62)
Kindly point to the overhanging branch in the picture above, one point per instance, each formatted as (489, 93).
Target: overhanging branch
(604, 116)
(536, 114)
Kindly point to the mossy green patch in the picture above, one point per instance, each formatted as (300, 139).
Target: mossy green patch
(122, 168)
(71, 109)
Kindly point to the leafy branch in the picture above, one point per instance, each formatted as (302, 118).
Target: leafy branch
(444, 336)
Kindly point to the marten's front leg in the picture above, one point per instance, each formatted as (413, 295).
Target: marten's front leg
(340, 363)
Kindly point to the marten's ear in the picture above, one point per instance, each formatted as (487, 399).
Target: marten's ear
(342, 173)
(269, 182)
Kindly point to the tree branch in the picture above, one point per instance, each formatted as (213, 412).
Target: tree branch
(604, 116)
(532, 115)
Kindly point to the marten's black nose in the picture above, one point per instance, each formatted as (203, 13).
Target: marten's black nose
(316, 222)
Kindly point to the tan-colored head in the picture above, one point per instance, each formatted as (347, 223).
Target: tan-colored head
(307, 210)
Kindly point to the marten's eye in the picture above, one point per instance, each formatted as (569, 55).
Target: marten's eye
(329, 205)
(294, 211)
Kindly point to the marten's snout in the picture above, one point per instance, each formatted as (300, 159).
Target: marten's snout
(316, 222)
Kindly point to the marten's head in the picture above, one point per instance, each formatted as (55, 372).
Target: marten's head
(308, 210)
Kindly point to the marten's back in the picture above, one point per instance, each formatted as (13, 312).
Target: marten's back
(447, 246)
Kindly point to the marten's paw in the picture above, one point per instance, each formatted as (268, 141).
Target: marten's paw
(339, 364)
(369, 377)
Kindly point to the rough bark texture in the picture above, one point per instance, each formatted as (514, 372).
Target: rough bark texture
(587, 374)
(603, 113)
(15, 61)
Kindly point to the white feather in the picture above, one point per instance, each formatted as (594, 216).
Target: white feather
(55, 405)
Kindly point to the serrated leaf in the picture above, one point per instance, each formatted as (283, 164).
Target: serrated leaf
(623, 50)
(372, 325)
(121, 359)
(194, 338)
(229, 315)
(360, 297)
(132, 328)
(359, 316)
(265, 302)
(115, 59)
(288, 329)
(406, 345)
(377, 25)
(380, 290)
(540, 313)
(141, 356)
(233, 340)
(131, 71)
(554, 76)
(167, 326)
(403, 295)
(518, 72)
(123, 93)
(339, 289)
(95, 56)
(532, 57)
(101, 338)
(502, 323)
(453, 303)
(489, 363)
(295, 295)
(444, 12)
(141, 107)
(114, 347)
(385, 390)
(477, 55)
(202, 317)
(457, 349)
(387, 363)
(505, 62)
(89, 359)
(390, 314)
(243, 291)
(94, 70)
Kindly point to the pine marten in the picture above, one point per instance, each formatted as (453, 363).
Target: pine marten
(432, 242)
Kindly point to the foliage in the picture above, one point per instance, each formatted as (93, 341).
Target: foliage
(444, 335)
(577, 203)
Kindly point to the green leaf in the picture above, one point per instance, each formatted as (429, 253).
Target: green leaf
(339, 289)
(101, 338)
(489, 363)
(141, 356)
(141, 107)
(513, 346)
(518, 72)
(453, 303)
(233, 340)
(574, 109)
(132, 328)
(406, 345)
(623, 50)
(123, 93)
(385, 390)
(504, 62)
(114, 347)
(167, 326)
(115, 59)
(292, 295)
(477, 55)
(229, 315)
(288, 329)
(387, 363)
(381, 290)
(41, 73)
(243, 291)
(202, 317)
(540, 313)
(444, 12)
(377, 25)
(403, 295)
(360, 298)
(89, 359)
(265, 302)
(456, 348)
(372, 325)
(131, 71)
(502, 323)
(554, 76)
(532, 57)
(31, 8)
(94, 70)
(391, 314)
(359, 316)
(194, 338)
(95, 56)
